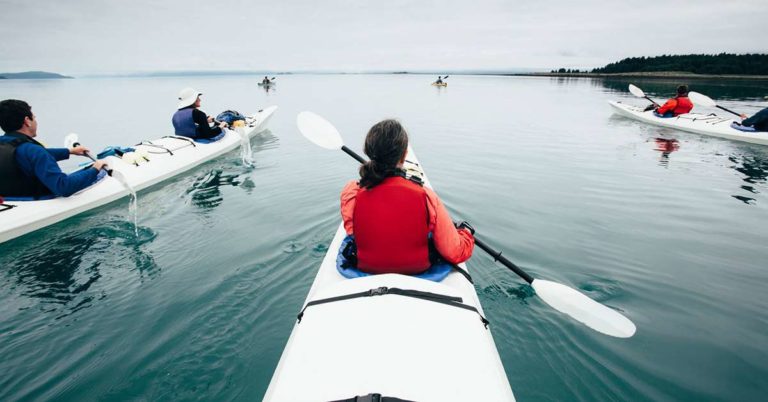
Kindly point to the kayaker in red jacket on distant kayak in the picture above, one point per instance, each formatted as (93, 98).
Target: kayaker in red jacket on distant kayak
(678, 105)
(394, 219)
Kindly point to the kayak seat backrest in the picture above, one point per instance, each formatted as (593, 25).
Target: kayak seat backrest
(739, 127)
(210, 140)
(435, 273)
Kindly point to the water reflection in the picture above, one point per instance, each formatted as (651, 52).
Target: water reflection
(62, 271)
(755, 171)
(268, 88)
(666, 146)
(205, 191)
(720, 89)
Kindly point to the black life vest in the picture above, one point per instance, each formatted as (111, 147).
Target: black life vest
(13, 182)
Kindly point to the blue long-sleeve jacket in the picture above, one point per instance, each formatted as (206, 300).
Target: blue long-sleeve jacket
(37, 161)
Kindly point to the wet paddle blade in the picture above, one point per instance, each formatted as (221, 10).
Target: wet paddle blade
(701, 99)
(583, 309)
(70, 140)
(319, 131)
(636, 91)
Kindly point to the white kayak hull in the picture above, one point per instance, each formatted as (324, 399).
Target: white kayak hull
(28, 216)
(711, 125)
(392, 345)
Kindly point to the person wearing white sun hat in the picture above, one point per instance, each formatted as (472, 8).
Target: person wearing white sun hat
(189, 121)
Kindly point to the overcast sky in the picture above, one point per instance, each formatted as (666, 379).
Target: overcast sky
(110, 36)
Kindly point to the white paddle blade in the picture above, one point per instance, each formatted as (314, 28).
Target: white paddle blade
(636, 91)
(70, 140)
(583, 309)
(701, 99)
(319, 130)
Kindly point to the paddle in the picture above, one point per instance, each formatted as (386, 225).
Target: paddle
(71, 141)
(560, 297)
(640, 94)
(705, 100)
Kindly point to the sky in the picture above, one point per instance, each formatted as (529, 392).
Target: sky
(81, 37)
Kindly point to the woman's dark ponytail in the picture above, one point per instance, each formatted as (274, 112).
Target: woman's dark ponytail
(385, 145)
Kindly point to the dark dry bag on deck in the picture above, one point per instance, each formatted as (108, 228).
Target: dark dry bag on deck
(230, 116)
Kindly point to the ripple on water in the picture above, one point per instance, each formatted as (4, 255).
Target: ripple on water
(60, 271)
(293, 246)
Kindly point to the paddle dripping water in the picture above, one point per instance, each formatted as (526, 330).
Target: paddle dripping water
(133, 205)
(246, 154)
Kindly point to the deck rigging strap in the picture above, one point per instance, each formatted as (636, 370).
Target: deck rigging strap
(5, 207)
(453, 301)
(178, 137)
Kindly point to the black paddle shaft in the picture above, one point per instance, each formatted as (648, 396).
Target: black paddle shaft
(652, 101)
(353, 154)
(728, 110)
(507, 263)
(88, 154)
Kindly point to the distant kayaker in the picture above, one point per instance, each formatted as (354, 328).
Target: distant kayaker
(189, 121)
(266, 81)
(27, 168)
(759, 121)
(439, 80)
(676, 106)
(397, 223)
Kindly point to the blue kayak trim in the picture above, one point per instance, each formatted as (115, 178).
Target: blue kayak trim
(435, 273)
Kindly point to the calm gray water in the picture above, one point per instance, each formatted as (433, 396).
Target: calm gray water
(668, 227)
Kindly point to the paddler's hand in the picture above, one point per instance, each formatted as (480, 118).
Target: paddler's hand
(210, 119)
(743, 116)
(79, 150)
(464, 225)
(223, 124)
(99, 164)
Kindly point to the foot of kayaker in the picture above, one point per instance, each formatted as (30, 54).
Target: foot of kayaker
(676, 106)
(398, 225)
(28, 170)
(190, 121)
(759, 121)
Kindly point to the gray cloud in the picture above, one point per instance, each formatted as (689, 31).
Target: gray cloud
(84, 36)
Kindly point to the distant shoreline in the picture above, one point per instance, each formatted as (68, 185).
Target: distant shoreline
(33, 75)
(651, 75)
(642, 75)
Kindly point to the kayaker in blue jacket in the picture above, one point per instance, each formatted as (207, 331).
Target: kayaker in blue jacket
(189, 121)
(27, 168)
(759, 121)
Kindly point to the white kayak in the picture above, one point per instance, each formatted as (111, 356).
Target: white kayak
(711, 124)
(389, 344)
(168, 157)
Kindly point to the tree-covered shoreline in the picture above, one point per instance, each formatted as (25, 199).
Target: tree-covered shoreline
(716, 64)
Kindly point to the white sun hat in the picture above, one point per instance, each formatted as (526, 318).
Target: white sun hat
(188, 96)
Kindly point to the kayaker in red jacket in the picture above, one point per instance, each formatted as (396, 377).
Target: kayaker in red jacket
(678, 105)
(393, 218)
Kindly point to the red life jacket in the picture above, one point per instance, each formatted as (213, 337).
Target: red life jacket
(391, 228)
(684, 106)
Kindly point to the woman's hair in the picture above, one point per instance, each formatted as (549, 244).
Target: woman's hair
(682, 90)
(385, 145)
